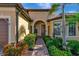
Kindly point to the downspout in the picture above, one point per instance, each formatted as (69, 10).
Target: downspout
(17, 12)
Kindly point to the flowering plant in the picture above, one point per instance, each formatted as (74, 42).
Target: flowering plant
(14, 49)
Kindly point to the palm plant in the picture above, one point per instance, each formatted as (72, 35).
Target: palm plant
(70, 19)
(52, 10)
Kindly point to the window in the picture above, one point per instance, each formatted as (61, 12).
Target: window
(57, 28)
(72, 29)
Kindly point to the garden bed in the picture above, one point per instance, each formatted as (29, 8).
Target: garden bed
(14, 49)
(55, 47)
(20, 48)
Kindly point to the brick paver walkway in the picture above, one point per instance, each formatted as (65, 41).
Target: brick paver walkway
(40, 48)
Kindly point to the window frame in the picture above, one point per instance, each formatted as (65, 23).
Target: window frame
(58, 21)
(75, 31)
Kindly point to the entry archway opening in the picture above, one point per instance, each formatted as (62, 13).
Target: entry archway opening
(40, 28)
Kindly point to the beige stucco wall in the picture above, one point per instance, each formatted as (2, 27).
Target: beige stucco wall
(38, 15)
(50, 28)
(22, 22)
(10, 12)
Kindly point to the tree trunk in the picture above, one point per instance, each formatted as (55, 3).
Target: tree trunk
(63, 27)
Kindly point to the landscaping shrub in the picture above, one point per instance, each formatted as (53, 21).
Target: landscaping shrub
(53, 41)
(57, 42)
(73, 45)
(59, 39)
(14, 49)
(30, 40)
(54, 46)
(56, 52)
(7, 50)
(46, 38)
(11, 50)
(49, 43)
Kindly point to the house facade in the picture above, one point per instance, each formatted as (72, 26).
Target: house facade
(43, 24)
(12, 19)
(72, 29)
(16, 22)
(40, 24)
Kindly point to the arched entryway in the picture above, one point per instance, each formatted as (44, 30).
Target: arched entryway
(39, 28)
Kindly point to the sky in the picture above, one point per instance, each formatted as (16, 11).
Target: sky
(37, 5)
(69, 8)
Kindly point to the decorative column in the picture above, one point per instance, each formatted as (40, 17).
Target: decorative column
(32, 28)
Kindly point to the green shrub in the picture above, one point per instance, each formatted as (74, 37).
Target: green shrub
(59, 39)
(73, 45)
(30, 40)
(46, 38)
(49, 43)
(54, 46)
(56, 52)
(53, 51)
(67, 53)
(57, 42)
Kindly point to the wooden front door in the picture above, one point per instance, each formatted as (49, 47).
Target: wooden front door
(39, 28)
(42, 30)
